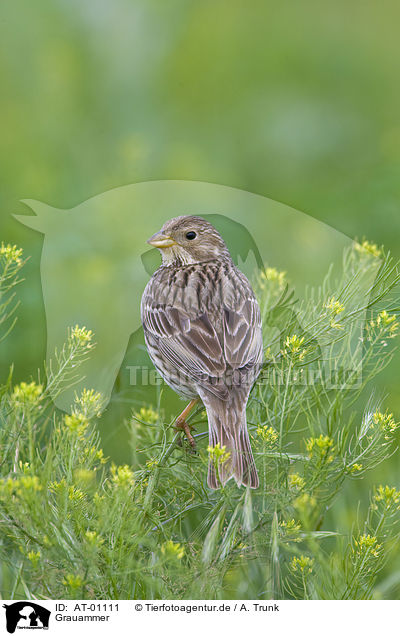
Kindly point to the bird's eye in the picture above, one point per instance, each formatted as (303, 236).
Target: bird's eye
(191, 235)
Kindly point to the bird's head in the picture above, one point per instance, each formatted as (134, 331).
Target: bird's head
(189, 239)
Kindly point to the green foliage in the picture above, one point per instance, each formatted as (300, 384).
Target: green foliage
(75, 525)
(11, 263)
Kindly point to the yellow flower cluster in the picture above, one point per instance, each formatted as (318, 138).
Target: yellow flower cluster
(385, 423)
(389, 497)
(57, 486)
(385, 319)
(291, 530)
(367, 544)
(302, 564)
(272, 275)
(268, 435)
(366, 248)
(334, 308)
(80, 336)
(122, 476)
(152, 463)
(147, 415)
(385, 324)
(295, 481)
(77, 423)
(73, 581)
(27, 394)
(34, 557)
(291, 525)
(89, 402)
(75, 495)
(92, 452)
(29, 482)
(93, 539)
(218, 454)
(293, 347)
(355, 468)
(23, 486)
(321, 446)
(173, 550)
(11, 254)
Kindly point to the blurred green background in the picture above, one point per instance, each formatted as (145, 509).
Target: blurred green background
(297, 101)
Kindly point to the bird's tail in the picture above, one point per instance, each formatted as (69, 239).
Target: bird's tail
(228, 427)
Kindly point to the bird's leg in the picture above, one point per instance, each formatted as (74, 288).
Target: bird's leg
(180, 422)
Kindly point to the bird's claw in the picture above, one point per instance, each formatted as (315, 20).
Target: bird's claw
(182, 425)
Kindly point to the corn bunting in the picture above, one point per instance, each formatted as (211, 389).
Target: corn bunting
(202, 328)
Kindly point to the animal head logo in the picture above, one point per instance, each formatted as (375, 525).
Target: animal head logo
(95, 261)
(26, 615)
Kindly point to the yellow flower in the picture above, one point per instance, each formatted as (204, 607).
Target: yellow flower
(291, 530)
(122, 476)
(28, 394)
(272, 275)
(268, 435)
(34, 557)
(390, 497)
(366, 248)
(77, 423)
(293, 343)
(218, 454)
(11, 253)
(355, 468)
(291, 525)
(76, 495)
(321, 446)
(173, 550)
(334, 306)
(293, 347)
(385, 423)
(80, 336)
(57, 486)
(92, 452)
(152, 463)
(303, 564)
(93, 539)
(295, 481)
(27, 484)
(147, 415)
(100, 455)
(89, 403)
(389, 322)
(73, 581)
(367, 544)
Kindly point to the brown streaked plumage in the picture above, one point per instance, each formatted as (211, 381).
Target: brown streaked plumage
(202, 327)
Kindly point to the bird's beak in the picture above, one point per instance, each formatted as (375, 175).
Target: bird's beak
(161, 240)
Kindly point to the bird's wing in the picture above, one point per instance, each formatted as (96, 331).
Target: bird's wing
(242, 333)
(189, 342)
